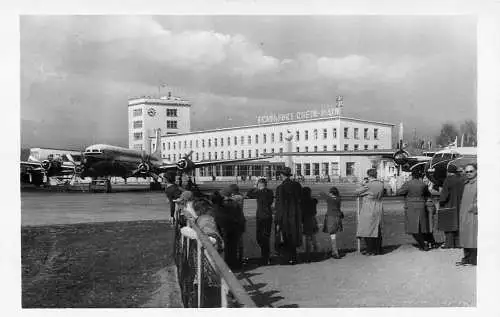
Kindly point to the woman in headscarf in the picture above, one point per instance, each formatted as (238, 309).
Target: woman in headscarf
(416, 215)
(371, 213)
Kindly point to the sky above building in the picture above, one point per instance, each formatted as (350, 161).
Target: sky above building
(77, 72)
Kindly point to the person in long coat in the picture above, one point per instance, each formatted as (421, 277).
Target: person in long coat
(172, 191)
(288, 218)
(450, 197)
(468, 217)
(309, 223)
(264, 215)
(416, 215)
(333, 218)
(371, 213)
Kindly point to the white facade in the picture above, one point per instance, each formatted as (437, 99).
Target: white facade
(314, 135)
(145, 114)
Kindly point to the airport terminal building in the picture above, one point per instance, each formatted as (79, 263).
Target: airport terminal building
(299, 132)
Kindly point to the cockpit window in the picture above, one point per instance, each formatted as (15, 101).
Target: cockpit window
(95, 150)
(447, 156)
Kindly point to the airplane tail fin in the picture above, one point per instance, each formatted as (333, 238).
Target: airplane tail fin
(157, 151)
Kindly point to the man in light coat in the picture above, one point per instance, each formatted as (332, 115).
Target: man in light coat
(468, 217)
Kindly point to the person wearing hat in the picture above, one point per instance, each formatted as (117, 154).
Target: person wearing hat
(450, 197)
(172, 191)
(264, 215)
(289, 215)
(332, 223)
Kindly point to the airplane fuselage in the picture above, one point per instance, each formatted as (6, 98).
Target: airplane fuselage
(436, 169)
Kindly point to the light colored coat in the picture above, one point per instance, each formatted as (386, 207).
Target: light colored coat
(372, 210)
(468, 215)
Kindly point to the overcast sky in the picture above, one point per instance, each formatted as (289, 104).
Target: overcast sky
(77, 72)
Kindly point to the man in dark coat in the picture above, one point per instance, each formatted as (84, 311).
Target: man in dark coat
(173, 192)
(265, 198)
(451, 195)
(288, 214)
(232, 222)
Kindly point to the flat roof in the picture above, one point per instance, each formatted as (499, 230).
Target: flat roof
(278, 124)
(172, 101)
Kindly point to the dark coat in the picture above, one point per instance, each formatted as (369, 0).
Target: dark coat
(309, 211)
(265, 199)
(416, 215)
(173, 192)
(468, 215)
(230, 217)
(333, 218)
(288, 211)
(451, 196)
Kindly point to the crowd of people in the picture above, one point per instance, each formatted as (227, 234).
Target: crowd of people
(292, 211)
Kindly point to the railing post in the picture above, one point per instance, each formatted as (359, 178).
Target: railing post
(357, 222)
(199, 269)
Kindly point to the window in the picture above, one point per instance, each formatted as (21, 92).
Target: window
(197, 144)
(197, 156)
(306, 135)
(168, 157)
(272, 137)
(272, 150)
(249, 140)
(242, 140)
(365, 134)
(324, 169)
(215, 142)
(163, 146)
(137, 112)
(249, 153)
(203, 143)
(179, 145)
(316, 169)
(175, 156)
(335, 148)
(185, 144)
(346, 147)
(242, 154)
(315, 148)
(174, 143)
(138, 136)
(256, 139)
(281, 136)
(236, 154)
(297, 149)
(171, 112)
(168, 146)
(171, 124)
(375, 134)
(346, 133)
(215, 155)
(138, 147)
(324, 148)
(265, 151)
(375, 147)
(137, 124)
(349, 168)
(307, 168)
(325, 134)
(209, 142)
(307, 149)
(209, 156)
(334, 133)
(366, 146)
(228, 141)
(315, 132)
(221, 141)
(297, 135)
(264, 138)
(203, 156)
(228, 155)
(190, 144)
(356, 147)
(256, 152)
(335, 168)
(356, 133)
(298, 169)
(236, 140)
(281, 150)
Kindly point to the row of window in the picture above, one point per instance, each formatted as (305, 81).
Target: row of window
(170, 112)
(220, 141)
(366, 135)
(313, 169)
(241, 154)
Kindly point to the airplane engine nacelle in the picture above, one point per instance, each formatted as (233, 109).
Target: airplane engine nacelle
(401, 157)
(185, 164)
(46, 165)
(144, 167)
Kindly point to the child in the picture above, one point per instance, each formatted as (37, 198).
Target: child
(333, 218)
(309, 223)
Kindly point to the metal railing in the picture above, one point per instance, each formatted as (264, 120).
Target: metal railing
(205, 279)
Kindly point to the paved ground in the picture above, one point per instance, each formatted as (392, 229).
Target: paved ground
(402, 277)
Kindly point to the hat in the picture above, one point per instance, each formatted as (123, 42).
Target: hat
(287, 171)
(452, 169)
(185, 196)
